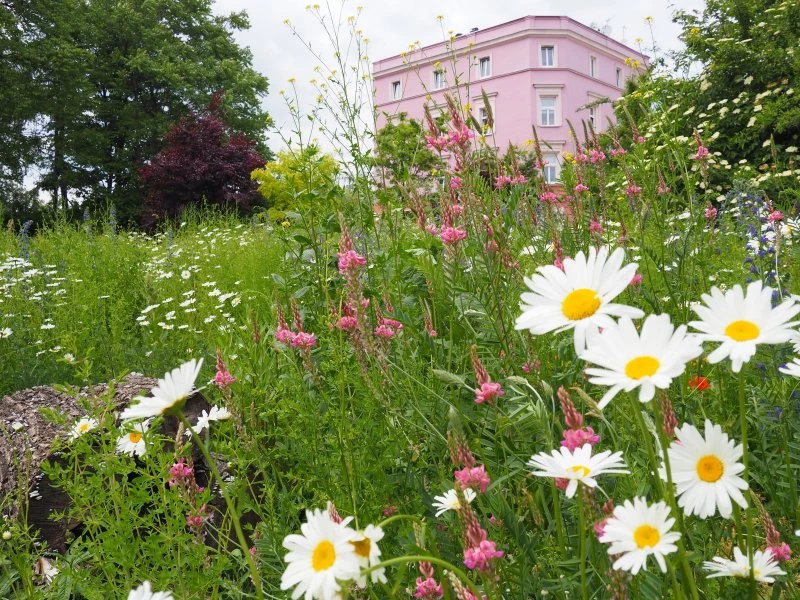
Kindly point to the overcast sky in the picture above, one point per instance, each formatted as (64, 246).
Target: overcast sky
(392, 25)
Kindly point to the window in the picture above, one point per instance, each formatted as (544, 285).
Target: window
(396, 91)
(438, 79)
(548, 56)
(619, 77)
(485, 65)
(483, 118)
(592, 114)
(593, 66)
(547, 105)
(551, 169)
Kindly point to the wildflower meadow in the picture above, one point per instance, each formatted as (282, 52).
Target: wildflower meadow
(461, 383)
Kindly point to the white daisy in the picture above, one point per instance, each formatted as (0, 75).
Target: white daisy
(706, 470)
(764, 566)
(144, 592)
(369, 554)
(579, 297)
(742, 321)
(450, 501)
(649, 360)
(792, 368)
(82, 426)
(204, 420)
(170, 393)
(638, 530)
(577, 466)
(320, 556)
(132, 443)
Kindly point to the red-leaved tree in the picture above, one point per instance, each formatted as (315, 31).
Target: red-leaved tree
(203, 162)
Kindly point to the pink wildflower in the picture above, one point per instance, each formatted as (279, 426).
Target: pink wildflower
(710, 213)
(618, 151)
(195, 521)
(782, 552)
(581, 157)
(501, 181)
(428, 588)
(597, 156)
(636, 280)
(180, 473)
(488, 392)
(350, 261)
(304, 340)
(452, 235)
(599, 528)
(474, 478)
(663, 189)
(285, 335)
(775, 215)
(633, 190)
(385, 331)
(479, 557)
(455, 182)
(595, 226)
(223, 378)
(640, 139)
(581, 188)
(548, 197)
(431, 228)
(576, 438)
(561, 483)
(346, 323)
(702, 153)
(457, 209)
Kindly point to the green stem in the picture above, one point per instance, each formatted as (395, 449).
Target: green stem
(237, 525)
(670, 495)
(559, 518)
(582, 543)
(746, 461)
(393, 518)
(411, 558)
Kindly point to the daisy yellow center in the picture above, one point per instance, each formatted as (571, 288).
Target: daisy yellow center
(581, 470)
(83, 427)
(709, 468)
(580, 304)
(642, 366)
(362, 547)
(135, 437)
(742, 331)
(646, 536)
(324, 556)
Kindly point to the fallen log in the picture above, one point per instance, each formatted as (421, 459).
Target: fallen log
(26, 440)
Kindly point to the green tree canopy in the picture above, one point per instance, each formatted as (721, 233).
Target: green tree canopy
(107, 78)
(295, 176)
(401, 152)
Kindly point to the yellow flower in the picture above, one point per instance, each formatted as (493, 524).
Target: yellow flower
(286, 224)
(648, 19)
(568, 157)
(437, 64)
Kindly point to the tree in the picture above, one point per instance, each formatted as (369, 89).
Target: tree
(749, 51)
(295, 176)
(203, 161)
(401, 151)
(107, 79)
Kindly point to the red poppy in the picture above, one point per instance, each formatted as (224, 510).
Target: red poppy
(699, 383)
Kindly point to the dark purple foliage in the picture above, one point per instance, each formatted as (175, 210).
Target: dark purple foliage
(203, 162)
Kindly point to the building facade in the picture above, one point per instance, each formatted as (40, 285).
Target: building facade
(534, 70)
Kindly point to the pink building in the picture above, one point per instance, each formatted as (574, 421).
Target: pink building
(534, 70)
